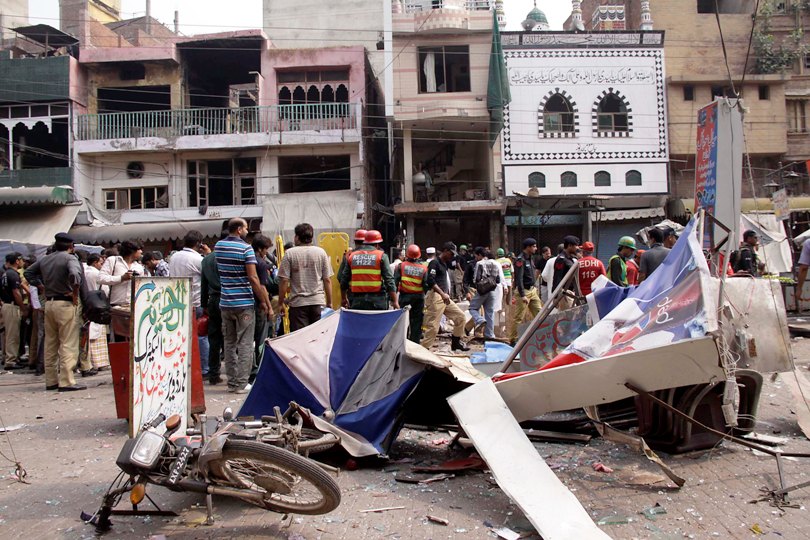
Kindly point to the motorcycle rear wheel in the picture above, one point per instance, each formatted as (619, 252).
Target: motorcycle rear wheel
(288, 482)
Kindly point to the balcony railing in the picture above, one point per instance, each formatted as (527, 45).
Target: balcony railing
(415, 6)
(219, 121)
(49, 176)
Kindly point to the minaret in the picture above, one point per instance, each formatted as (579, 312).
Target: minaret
(646, 16)
(499, 11)
(576, 14)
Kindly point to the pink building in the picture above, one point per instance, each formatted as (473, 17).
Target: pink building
(191, 132)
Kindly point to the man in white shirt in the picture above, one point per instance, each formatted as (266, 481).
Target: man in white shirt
(188, 263)
(97, 353)
(398, 260)
(117, 271)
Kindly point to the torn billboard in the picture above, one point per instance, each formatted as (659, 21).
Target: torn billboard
(350, 364)
(670, 306)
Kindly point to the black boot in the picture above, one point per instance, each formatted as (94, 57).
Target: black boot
(457, 345)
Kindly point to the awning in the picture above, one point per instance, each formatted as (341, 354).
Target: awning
(145, 232)
(36, 195)
(46, 35)
(36, 225)
(326, 211)
(759, 205)
(450, 206)
(635, 213)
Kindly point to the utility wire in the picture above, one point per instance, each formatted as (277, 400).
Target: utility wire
(750, 42)
(725, 52)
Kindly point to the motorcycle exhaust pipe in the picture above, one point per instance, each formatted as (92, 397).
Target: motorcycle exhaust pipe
(202, 487)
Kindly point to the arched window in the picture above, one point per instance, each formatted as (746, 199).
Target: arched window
(342, 94)
(601, 179)
(632, 178)
(284, 96)
(299, 95)
(328, 94)
(611, 114)
(313, 94)
(568, 179)
(558, 115)
(537, 179)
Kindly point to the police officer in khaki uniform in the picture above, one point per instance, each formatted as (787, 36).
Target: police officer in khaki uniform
(411, 283)
(438, 301)
(527, 297)
(367, 276)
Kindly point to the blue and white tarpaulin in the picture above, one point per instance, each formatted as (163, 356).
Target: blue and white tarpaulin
(352, 364)
(675, 303)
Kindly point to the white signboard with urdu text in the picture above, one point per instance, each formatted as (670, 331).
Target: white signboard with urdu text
(781, 204)
(160, 350)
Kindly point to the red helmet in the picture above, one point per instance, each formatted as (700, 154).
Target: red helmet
(413, 252)
(373, 237)
(360, 235)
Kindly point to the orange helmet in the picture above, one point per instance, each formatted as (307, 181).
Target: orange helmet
(413, 252)
(360, 235)
(373, 237)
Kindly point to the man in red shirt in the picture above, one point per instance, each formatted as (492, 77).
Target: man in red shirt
(632, 271)
(590, 268)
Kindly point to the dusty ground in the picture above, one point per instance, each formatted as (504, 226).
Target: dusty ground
(69, 443)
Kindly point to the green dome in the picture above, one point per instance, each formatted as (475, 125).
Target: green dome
(537, 15)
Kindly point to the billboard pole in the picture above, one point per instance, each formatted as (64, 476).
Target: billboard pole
(718, 185)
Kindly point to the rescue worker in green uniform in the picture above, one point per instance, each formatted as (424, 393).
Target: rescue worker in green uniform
(617, 267)
(359, 240)
(367, 276)
(412, 285)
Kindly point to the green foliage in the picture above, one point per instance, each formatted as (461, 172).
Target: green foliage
(775, 56)
(802, 5)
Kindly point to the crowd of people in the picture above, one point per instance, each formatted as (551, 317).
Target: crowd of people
(242, 290)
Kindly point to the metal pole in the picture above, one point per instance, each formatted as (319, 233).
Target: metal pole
(555, 297)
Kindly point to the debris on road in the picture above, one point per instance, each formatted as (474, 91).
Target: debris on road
(408, 479)
(601, 467)
(379, 510)
(506, 533)
(653, 511)
(472, 463)
(437, 519)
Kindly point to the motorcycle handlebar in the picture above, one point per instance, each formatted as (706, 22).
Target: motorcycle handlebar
(156, 421)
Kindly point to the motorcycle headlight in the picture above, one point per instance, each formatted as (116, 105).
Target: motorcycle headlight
(147, 449)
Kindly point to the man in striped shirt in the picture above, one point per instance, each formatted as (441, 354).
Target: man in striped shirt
(239, 281)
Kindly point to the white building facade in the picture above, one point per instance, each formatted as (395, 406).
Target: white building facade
(587, 125)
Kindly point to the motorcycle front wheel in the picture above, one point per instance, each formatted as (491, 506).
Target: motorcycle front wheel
(289, 483)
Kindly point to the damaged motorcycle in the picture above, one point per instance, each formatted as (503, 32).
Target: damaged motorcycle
(222, 463)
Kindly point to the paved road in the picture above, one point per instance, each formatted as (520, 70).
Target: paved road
(69, 444)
